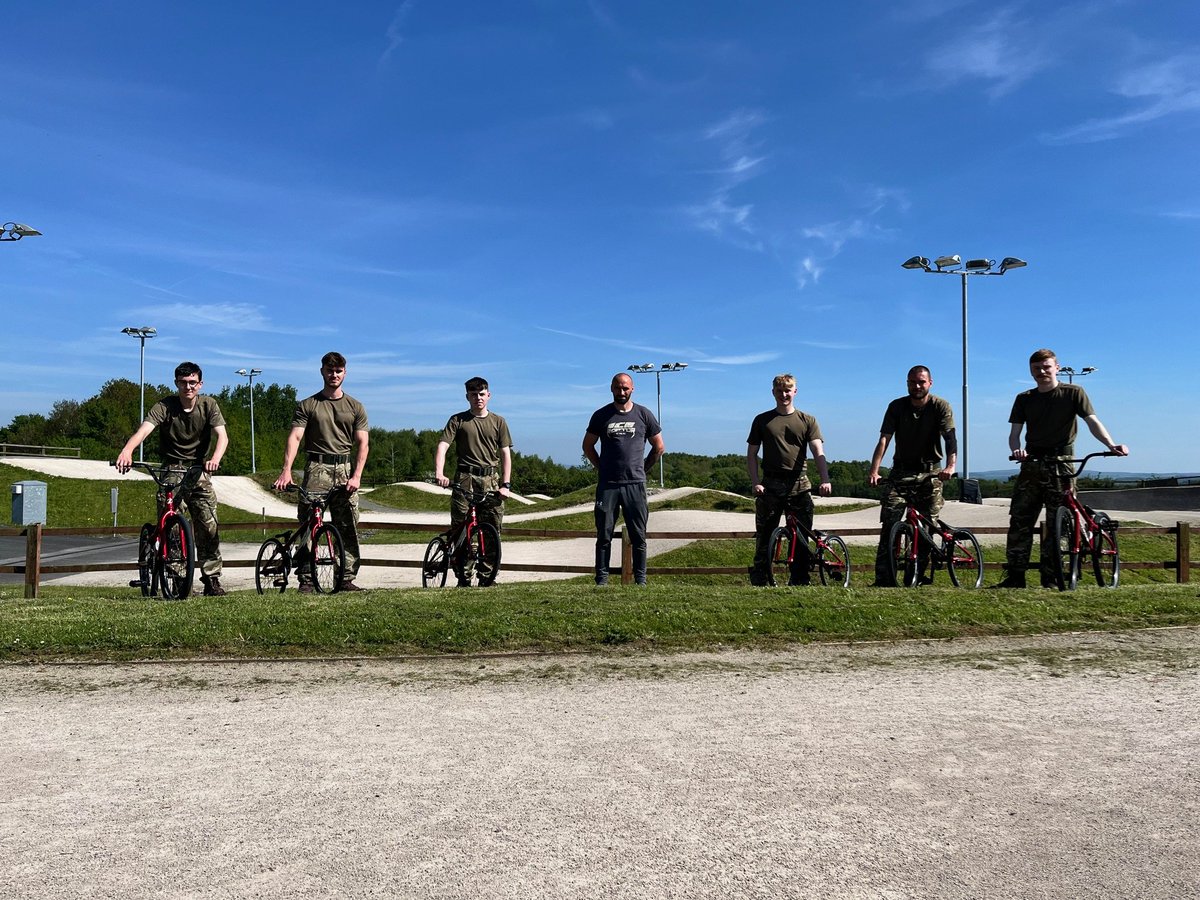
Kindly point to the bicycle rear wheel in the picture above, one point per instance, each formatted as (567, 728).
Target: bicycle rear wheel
(902, 557)
(779, 563)
(329, 560)
(964, 560)
(146, 573)
(833, 561)
(1064, 556)
(485, 544)
(437, 560)
(176, 558)
(1106, 559)
(272, 567)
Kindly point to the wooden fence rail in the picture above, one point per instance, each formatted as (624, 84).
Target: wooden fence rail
(33, 568)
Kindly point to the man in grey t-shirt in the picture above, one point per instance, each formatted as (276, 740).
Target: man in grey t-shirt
(622, 428)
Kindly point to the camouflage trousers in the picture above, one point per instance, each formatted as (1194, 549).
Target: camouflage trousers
(925, 495)
(343, 508)
(1040, 484)
(201, 507)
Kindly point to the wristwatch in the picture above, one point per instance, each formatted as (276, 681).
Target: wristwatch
(506, 484)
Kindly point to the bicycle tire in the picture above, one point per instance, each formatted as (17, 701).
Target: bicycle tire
(779, 563)
(486, 545)
(1106, 557)
(900, 555)
(1064, 556)
(436, 564)
(271, 567)
(175, 561)
(329, 559)
(146, 575)
(833, 562)
(964, 560)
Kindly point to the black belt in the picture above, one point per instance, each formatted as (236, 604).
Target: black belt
(330, 458)
(476, 470)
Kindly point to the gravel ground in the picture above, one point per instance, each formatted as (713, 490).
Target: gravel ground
(1050, 767)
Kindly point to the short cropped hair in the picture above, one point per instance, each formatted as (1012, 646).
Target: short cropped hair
(1039, 355)
(477, 384)
(184, 369)
(924, 369)
(784, 381)
(333, 360)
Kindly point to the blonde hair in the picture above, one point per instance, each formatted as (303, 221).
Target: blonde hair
(784, 381)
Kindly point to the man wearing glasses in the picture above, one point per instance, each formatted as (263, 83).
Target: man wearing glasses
(188, 423)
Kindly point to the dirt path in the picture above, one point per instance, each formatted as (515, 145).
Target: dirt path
(1052, 767)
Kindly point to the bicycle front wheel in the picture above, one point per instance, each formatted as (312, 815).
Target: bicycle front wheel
(1106, 559)
(146, 561)
(780, 561)
(272, 567)
(485, 542)
(329, 560)
(964, 560)
(902, 555)
(176, 558)
(1064, 554)
(833, 562)
(433, 570)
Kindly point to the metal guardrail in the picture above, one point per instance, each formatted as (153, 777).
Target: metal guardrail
(33, 534)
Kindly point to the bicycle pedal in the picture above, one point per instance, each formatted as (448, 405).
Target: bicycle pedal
(137, 583)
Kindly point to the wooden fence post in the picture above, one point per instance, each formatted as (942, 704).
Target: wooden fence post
(33, 560)
(1183, 553)
(626, 557)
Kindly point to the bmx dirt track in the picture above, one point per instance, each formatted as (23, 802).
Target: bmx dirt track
(1056, 767)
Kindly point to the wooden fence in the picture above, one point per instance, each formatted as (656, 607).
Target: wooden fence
(33, 569)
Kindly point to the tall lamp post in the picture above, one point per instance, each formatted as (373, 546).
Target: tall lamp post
(251, 374)
(14, 231)
(953, 265)
(1071, 373)
(658, 371)
(143, 334)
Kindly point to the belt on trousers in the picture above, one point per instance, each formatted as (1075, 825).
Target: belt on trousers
(476, 470)
(786, 474)
(329, 458)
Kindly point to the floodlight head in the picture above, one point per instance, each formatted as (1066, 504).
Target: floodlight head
(14, 231)
(256, 371)
(945, 262)
(1011, 262)
(979, 265)
(144, 332)
(644, 367)
(916, 262)
(241, 372)
(1088, 370)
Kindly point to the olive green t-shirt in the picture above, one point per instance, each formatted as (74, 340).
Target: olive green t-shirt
(1049, 418)
(184, 437)
(329, 425)
(784, 438)
(477, 440)
(917, 433)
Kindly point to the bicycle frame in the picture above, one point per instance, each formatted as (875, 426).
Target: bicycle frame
(1078, 531)
(463, 546)
(827, 553)
(955, 548)
(165, 562)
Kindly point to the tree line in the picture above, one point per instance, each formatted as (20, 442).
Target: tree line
(100, 426)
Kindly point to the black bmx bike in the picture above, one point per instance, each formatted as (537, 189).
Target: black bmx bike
(472, 548)
(325, 556)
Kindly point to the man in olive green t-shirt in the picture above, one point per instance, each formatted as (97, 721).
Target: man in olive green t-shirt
(332, 426)
(483, 448)
(187, 424)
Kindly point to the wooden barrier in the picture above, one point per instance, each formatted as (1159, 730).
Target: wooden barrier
(33, 569)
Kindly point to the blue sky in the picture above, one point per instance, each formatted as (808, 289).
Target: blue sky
(545, 192)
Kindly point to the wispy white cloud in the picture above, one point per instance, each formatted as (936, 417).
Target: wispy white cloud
(1164, 88)
(692, 354)
(1003, 51)
(719, 214)
(395, 30)
(747, 359)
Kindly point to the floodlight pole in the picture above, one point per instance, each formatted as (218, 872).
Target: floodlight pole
(645, 368)
(251, 374)
(1071, 373)
(953, 265)
(143, 334)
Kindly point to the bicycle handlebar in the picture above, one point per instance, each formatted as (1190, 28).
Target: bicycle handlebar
(314, 498)
(161, 472)
(1068, 460)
